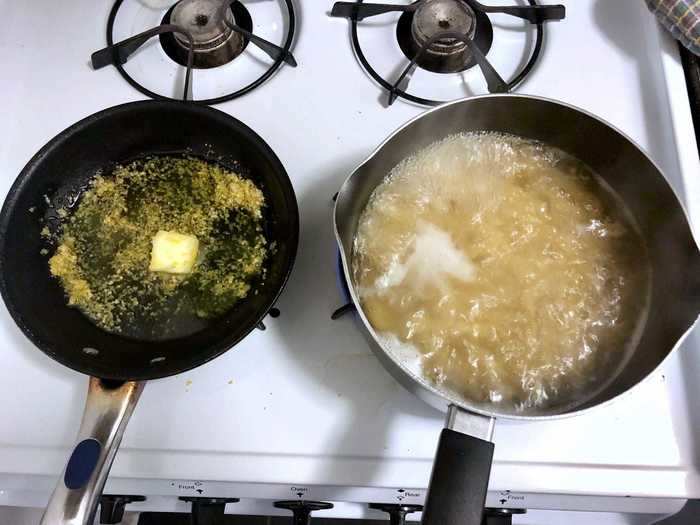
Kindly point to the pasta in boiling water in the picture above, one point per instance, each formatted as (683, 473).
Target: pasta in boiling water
(511, 267)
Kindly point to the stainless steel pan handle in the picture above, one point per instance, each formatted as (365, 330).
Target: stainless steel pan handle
(461, 470)
(107, 411)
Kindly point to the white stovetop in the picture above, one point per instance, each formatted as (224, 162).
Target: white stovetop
(305, 402)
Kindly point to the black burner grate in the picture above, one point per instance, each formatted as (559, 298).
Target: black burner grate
(479, 44)
(279, 55)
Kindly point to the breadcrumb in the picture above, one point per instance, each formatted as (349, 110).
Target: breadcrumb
(104, 248)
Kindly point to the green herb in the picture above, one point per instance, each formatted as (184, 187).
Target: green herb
(104, 250)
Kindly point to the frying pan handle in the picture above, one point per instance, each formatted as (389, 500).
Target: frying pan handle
(107, 411)
(460, 478)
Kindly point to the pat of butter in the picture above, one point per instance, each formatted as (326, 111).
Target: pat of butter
(173, 252)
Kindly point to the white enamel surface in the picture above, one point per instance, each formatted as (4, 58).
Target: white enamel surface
(305, 404)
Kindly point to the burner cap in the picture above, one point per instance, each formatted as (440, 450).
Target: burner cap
(215, 43)
(435, 16)
(204, 20)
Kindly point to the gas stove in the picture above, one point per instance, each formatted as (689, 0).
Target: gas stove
(303, 411)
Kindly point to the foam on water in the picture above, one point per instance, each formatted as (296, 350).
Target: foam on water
(512, 270)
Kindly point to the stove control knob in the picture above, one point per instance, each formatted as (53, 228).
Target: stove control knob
(397, 513)
(112, 507)
(500, 516)
(208, 511)
(302, 509)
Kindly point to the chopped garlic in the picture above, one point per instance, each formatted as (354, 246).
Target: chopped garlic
(173, 252)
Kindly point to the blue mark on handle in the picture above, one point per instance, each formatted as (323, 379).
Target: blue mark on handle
(81, 463)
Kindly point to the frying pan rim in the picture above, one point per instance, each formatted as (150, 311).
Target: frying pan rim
(221, 346)
(420, 381)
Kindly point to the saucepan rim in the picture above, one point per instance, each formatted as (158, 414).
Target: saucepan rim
(451, 397)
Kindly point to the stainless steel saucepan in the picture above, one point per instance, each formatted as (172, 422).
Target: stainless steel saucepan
(463, 461)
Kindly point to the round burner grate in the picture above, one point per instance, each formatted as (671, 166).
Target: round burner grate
(407, 43)
(242, 18)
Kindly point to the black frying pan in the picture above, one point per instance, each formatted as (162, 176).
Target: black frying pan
(119, 365)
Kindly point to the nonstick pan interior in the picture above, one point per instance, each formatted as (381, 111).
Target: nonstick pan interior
(56, 174)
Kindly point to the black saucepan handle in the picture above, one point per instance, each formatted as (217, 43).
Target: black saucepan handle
(460, 478)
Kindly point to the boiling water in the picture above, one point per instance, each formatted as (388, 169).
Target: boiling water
(511, 268)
